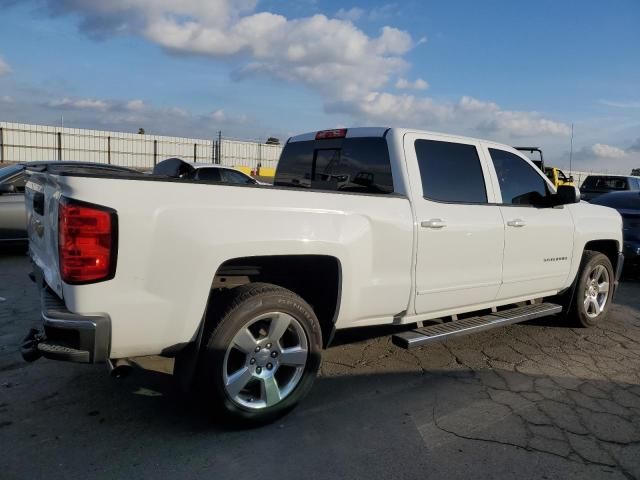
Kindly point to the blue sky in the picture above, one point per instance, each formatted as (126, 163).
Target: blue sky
(517, 72)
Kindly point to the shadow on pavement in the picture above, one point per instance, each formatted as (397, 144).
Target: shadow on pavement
(374, 424)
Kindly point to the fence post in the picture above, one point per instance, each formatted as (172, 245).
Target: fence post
(59, 146)
(194, 153)
(109, 149)
(219, 146)
(155, 152)
(1, 145)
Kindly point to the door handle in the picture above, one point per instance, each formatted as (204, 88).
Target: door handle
(516, 223)
(434, 223)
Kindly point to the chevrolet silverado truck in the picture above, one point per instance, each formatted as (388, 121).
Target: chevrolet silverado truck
(245, 285)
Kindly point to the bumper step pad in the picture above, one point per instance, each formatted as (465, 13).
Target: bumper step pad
(60, 352)
(443, 331)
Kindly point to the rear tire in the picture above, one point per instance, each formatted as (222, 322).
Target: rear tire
(262, 354)
(594, 290)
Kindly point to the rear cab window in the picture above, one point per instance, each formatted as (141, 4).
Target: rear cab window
(356, 165)
(607, 184)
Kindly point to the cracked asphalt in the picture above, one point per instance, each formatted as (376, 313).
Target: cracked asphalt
(533, 401)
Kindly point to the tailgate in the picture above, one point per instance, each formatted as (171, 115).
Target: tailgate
(41, 194)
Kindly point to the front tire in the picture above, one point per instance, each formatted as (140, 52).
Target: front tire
(594, 290)
(263, 353)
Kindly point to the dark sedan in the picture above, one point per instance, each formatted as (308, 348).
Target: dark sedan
(13, 178)
(628, 205)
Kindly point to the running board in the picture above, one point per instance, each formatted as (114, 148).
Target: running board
(442, 331)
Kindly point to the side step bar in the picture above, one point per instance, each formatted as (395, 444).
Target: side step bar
(442, 331)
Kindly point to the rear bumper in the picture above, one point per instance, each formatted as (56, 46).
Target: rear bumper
(68, 336)
(88, 334)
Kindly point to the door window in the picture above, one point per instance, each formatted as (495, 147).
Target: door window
(208, 174)
(231, 176)
(450, 172)
(520, 183)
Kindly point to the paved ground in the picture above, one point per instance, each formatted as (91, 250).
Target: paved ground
(528, 401)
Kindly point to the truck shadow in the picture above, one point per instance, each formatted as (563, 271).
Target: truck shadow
(139, 423)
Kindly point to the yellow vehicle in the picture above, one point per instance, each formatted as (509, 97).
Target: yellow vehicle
(554, 174)
(558, 177)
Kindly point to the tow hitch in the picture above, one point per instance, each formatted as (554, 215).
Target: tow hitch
(29, 348)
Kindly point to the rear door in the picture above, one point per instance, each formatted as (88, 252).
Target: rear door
(538, 240)
(460, 233)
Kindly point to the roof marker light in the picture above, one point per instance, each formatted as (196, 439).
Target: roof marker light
(335, 133)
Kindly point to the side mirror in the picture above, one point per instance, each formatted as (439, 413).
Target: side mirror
(565, 195)
(7, 188)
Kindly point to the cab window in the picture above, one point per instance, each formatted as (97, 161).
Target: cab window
(450, 172)
(520, 183)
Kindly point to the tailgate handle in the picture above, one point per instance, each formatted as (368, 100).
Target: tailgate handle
(38, 203)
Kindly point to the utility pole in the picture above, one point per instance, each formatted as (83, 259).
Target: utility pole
(571, 153)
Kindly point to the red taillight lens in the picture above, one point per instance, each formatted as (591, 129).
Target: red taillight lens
(86, 242)
(336, 133)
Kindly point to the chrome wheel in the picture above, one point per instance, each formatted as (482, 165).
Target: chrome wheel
(596, 291)
(265, 360)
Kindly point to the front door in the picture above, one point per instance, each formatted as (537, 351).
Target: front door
(538, 239)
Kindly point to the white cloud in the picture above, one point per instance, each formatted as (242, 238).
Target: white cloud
(617, 104)
(347, 67)
(135, 105)
(5, 69)
(6, 99)
(218, 115)
(352, 15)
(467, 115)
(79, 103)
(418, 84)
(602, 150)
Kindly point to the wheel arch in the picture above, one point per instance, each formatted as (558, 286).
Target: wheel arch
(610, 248)
(315, 278)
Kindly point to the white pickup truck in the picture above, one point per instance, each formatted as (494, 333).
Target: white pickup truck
(246, 284)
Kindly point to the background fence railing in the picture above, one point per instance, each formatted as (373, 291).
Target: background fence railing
(21, 142)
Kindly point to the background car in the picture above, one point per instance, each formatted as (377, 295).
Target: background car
(206, 172)
(13, 178)
(628, 205)
(596, 185)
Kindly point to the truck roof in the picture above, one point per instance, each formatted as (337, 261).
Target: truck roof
(354, 132)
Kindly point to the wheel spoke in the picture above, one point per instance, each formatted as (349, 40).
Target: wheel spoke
(238, 380)
(279, 324)
(245, 341)
(295, 357)
(603, 287)
(269, 390)
(596, 306)
(587, 303)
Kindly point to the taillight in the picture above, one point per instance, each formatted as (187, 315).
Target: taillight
(87, 242)
(336, 133)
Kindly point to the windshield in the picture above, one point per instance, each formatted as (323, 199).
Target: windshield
(10, 171)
